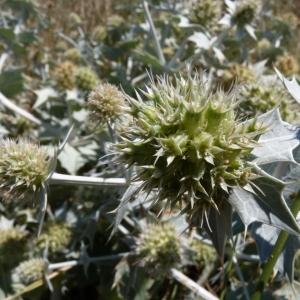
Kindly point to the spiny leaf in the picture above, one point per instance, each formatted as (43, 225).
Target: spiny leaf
(122, 208)
(219, 228)
(292, 86)
(267, 205)
(277, 144)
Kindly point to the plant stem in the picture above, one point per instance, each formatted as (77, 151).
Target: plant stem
(57, 178)
(192, 285)
(154, 34)
(73, 263)
(264, 278)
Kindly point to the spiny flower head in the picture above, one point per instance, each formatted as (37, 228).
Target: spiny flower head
(85, 79)
(205, 12)
(287, 65)
(30, 271)
(105, 103)
(158, 249)
(187, 143)
(245, 11)
(23, 168)
(57, 234)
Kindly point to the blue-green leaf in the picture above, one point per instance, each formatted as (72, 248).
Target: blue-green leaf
(267, 205)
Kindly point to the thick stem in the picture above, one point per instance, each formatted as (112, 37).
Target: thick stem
(57, 178)
(267, 272)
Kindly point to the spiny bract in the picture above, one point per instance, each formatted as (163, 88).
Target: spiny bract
(23, 168)
(187, 144)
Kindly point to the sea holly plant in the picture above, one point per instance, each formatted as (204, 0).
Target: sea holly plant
(187, 144)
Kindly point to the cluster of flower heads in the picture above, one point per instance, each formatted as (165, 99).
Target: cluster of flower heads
(23, 168)
(158, 248)
(68, 75)
(260, 97)
(187, 143)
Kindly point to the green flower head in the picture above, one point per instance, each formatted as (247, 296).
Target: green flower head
(57, 235)
(23, 168)
(187, 143)
(29, 271)
(158, 249)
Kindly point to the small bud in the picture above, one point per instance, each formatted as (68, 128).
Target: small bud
(74, 19)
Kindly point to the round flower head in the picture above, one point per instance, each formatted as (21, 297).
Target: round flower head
(287, 65)
(187, 143)
(57, 234)
(99, 34)
(158, 249)
(30, 271)
(263, 45)
(73, 55)
(105, 103)
(74, 19)
(64, 75)
(85, 79)
(12, 244)
(23, 168)
(204, 254)
(245, 11)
